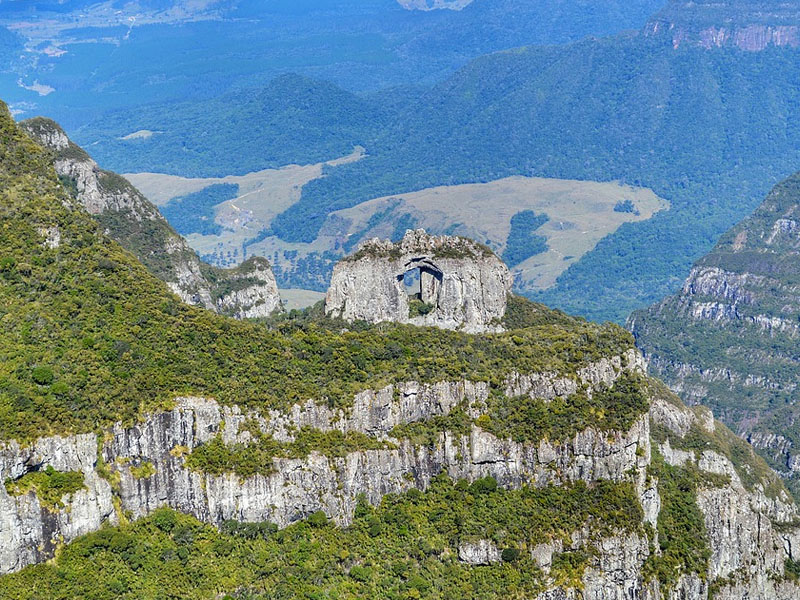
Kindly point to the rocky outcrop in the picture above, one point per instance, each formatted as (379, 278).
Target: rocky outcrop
(439, 281)
(433, 4)
(297, 487)
(249, 291)
(126, 215)
(751, 26)
(728, 338)
(751, 533)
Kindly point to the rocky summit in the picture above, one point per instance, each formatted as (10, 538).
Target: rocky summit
(440, 281)
(729, 338)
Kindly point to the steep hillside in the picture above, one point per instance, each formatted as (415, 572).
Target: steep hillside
(374, 461)
(729, 338)
(293, 119)
(751, 25)
(129, 218)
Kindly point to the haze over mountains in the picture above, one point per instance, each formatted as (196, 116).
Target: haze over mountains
(708, 127)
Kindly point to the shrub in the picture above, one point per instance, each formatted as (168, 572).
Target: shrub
(42, 375)
(510, 555)
(318, 519)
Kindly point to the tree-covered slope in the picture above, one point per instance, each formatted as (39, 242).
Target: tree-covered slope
(728, 339)
(292, 119)
(520, 463)
(90, 336)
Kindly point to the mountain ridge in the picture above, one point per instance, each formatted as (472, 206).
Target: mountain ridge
(728, 338)
(248, 291)
(343, 451)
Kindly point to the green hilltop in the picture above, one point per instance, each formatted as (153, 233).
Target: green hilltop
(90, 337)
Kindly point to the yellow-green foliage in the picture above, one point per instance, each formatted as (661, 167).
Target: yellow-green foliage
(527, 419)
(50, 486)
(405, 548)
(89, 337)
(144, 470)
(682, 536)
(245, 460)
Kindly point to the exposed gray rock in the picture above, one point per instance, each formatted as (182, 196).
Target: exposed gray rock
(751, 534)
(748, 549)
(298, 487)
(254, 291)
(463, 283)
(482, 552)
(30, 532)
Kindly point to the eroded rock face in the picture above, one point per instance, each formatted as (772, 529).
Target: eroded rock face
(751, 534)
(748, 530)
(247, 291)
(439, 281)
(29, 532)
(728, 338)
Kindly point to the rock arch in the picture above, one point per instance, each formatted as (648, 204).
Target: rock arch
(457, 283)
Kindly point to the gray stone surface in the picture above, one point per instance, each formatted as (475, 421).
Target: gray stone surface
(465, 284)
(748, 548)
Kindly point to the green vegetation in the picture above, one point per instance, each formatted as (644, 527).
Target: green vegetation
(522, 313)
(194, 213)
(406, 548)
(428, 432)
(625, 206)
(755, 343)
(681, 527)
(601, 95)
(144, 470)
(118, 342)
(792, 569)
(418, 308)
(527, 419)
(522, 243)
(530, 420)
(50, 486)
(216, 457)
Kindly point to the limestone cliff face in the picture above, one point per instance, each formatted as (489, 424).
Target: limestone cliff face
(458, 284)
(127, 216)
(751, 26)
(748, 531)
(748, 548)
(728, 339)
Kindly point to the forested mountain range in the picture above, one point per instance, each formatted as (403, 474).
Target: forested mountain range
(709, 128)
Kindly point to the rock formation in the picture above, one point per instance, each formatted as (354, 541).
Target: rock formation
(447, 282)
(751, 533)
(728, 339)
(751, 26)
(250, 290)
